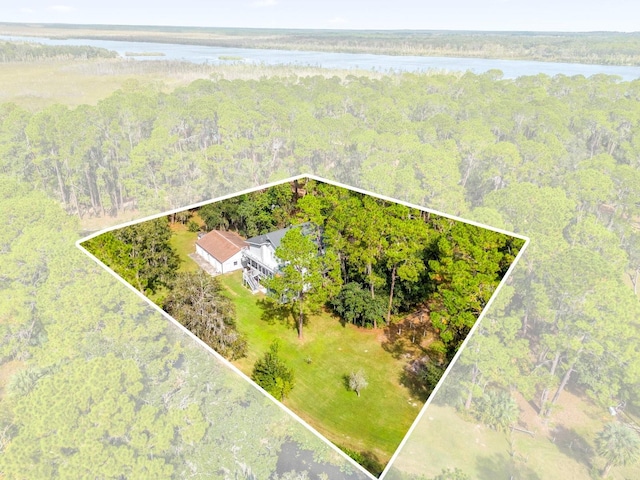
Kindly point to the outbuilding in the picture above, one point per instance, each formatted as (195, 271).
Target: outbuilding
(222, 250)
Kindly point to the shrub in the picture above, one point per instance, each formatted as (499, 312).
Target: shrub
(272, 374)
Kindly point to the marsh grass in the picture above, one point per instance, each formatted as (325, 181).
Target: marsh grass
(36, 85)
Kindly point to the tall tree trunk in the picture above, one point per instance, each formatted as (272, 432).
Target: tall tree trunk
(92, 192)
(61, 187)
(300, 319)
(563, 383)
(74, 197)
(542, 355)
(634, 280)
(474, 382)
(545, 393)
(612, 218)
(393, 284)
(369, 274)
(373, 295)
(467, 172)
(343, 267)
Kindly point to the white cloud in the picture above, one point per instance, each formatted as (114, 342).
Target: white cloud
(264, 3)
(27, 10)
(61, 8)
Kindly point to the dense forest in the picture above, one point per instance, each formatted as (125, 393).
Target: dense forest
(601, 48)
(378, 259)
(427, 139)
(556, 159)
(102, 386)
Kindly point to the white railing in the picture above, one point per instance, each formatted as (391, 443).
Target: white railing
(259, 262)
(248, 278)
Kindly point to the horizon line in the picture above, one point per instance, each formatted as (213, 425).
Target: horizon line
(37, 24)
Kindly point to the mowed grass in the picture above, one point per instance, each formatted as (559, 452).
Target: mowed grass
(376, 421)
(443, 440)
(184, 243)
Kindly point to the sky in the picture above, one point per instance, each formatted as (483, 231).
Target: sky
(515, 15)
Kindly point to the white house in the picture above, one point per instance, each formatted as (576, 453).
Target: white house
(260, 260)
(223, 250)
(228, 251)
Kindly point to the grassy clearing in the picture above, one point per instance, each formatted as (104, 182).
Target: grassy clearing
(444, 439)
(183, 241)
(374, 422)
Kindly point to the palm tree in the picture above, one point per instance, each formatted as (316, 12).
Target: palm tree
(618, 444)
(498, 410)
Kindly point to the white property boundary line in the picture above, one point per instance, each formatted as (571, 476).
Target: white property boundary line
(245, 377)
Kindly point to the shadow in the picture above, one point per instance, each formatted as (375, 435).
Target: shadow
(572, 444)
(366, 458)
(421, 375)
(331, 311)
(415, 385)
(501, 465)
(536, 408)
(371, 463)
(273, 312)
(397, 348)
(345, 381)
(406, 338)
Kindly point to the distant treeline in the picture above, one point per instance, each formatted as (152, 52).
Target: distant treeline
(30, 52)
(424, 138)
(604, 48)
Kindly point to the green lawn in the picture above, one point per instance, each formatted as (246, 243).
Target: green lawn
(184, 243)
(443, 439)
(374, 422)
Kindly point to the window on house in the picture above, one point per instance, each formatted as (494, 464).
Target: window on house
(235, 263)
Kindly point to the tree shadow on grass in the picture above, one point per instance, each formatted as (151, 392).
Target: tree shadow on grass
(396, 345)
(366, 458)
(501, 465)
(273, 312)
(403, 340)
(416, 386)
(345, 381)
(572, 445)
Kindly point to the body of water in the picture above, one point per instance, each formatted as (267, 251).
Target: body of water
(379, 63)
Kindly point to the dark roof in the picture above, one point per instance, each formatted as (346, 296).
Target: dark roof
(274, 238)
(221, 245)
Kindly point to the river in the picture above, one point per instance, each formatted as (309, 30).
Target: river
(379, 63)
